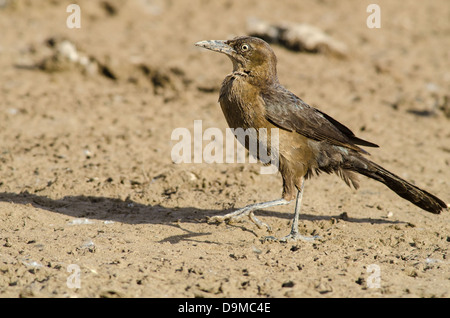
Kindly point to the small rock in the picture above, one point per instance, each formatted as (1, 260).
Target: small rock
(297, 37)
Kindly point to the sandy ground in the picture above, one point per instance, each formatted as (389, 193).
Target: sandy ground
(91, 204)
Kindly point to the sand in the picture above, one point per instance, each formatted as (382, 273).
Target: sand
(92, 204)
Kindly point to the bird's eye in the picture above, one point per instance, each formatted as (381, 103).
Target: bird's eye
(244, 47)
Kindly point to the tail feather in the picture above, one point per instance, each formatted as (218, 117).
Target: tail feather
(403, 188)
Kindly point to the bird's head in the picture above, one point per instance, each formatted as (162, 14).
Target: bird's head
(249, 55)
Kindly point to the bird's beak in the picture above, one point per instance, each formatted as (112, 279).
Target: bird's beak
(218, 46)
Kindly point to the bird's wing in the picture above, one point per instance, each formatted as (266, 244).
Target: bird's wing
(287, 111)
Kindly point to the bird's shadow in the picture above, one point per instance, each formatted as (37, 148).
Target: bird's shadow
(128, 211)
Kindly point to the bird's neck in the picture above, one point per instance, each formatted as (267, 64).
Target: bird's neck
(262, 80)
(254, 77)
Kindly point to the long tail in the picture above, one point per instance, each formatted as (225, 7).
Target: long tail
(403, 188)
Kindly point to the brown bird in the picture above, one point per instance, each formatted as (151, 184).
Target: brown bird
(309, 141)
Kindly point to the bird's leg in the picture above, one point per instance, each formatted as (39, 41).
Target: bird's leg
(248, 211)
(294, 235)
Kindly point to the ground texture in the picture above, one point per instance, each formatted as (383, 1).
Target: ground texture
(87, 182)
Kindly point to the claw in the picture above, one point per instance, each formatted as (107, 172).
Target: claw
(259, 223)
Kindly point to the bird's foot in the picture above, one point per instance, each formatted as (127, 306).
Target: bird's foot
(291, 237)
(248, 211)
(238, 214)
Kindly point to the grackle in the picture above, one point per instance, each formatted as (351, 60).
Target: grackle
(309, 141)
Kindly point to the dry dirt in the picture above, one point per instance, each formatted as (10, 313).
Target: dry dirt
(86, 175)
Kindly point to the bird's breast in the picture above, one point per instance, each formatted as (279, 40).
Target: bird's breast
(241, 103)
